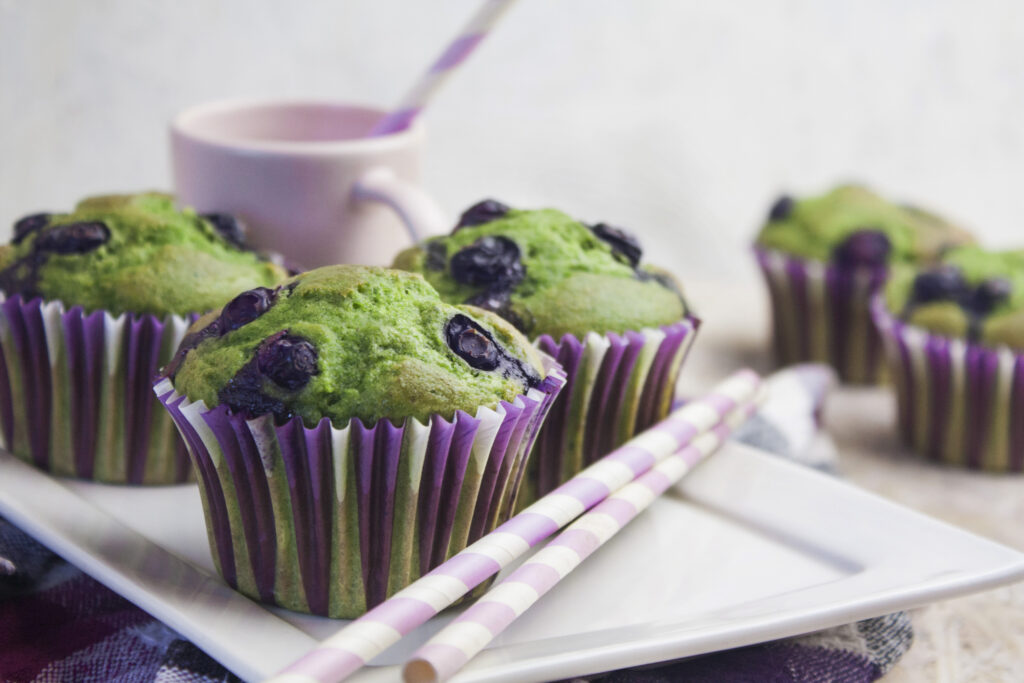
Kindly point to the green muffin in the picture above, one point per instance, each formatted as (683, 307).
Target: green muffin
(851, 225)
(107, 292)
(973, 294)
(351, 431)
(546, 273)
(352, 342)
(824, 257)
(954, 338)
(132, 253)
(621, 329)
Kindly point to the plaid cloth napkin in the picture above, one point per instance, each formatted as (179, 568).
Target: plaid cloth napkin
(58, 624)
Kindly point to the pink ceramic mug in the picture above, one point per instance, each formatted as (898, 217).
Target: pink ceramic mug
(305, 178)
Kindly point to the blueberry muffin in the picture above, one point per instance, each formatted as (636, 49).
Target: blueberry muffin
(971, 294)
(547, 273)
(95, 301)
(348, 342)
(132, 254)
(823, 257)
(954, 341)
(620, 327)
(351, 431)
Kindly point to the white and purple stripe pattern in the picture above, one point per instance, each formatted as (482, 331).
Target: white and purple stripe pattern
(820, 313)
(959, 402)
(467, 635)
(348, 650)
(455, 54)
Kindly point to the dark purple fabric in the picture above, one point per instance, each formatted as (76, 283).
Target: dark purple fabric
(57, 624)
(772, 663)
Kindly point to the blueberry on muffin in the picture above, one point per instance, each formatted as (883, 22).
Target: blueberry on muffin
(824, 257)
(124, 275)
(581, 292)
(973, 294)
(853, 226)
(954, 343)
(132, 253)
(352, 342)
(546, 272)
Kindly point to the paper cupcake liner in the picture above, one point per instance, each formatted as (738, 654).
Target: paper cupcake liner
(76, 397)
(332, 521)
(821, 313)
(958, 402)
(617, 386)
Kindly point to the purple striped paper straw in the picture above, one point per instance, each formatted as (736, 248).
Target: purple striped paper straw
(456, 53)
(453, 646)
(363, 639)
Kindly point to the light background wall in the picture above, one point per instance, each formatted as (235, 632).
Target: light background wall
(678, 119)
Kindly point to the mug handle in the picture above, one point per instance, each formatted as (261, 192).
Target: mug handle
(418, 211)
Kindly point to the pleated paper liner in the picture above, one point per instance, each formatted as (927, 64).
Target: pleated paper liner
(617, 385)
(333, 520)
(959, 403)
(76, 392)
(821, 313)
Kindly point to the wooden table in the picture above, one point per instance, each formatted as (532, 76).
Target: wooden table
(975, 638)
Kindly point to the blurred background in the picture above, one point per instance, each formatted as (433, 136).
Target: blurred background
(679, 120)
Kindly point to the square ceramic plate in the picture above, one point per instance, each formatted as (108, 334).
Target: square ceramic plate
(748, 548)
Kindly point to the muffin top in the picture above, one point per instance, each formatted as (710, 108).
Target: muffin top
(853, 226)
(972, 293)
(546, 273)
(132, 253)
(352, 341)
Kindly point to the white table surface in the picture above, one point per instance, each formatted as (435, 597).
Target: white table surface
(975, 638)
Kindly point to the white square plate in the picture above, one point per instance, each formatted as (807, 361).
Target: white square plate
(748, 548)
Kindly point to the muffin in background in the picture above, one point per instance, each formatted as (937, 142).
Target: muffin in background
(95, 302)
(954, 342)
(823, 257)
(620, 328)
(351, 431)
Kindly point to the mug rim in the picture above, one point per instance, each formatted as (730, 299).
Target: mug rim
(182, 126)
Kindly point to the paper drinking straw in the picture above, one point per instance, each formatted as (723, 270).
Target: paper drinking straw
(363, 639)
(452, 647)
(458, 50)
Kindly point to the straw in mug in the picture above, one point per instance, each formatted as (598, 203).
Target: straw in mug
(452, 647)
(455, 54)
(363, 639)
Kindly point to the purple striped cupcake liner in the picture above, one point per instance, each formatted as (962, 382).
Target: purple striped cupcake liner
(334, 520)
(821, 313)
(76, 397)
(958, 402)
(617, 386)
